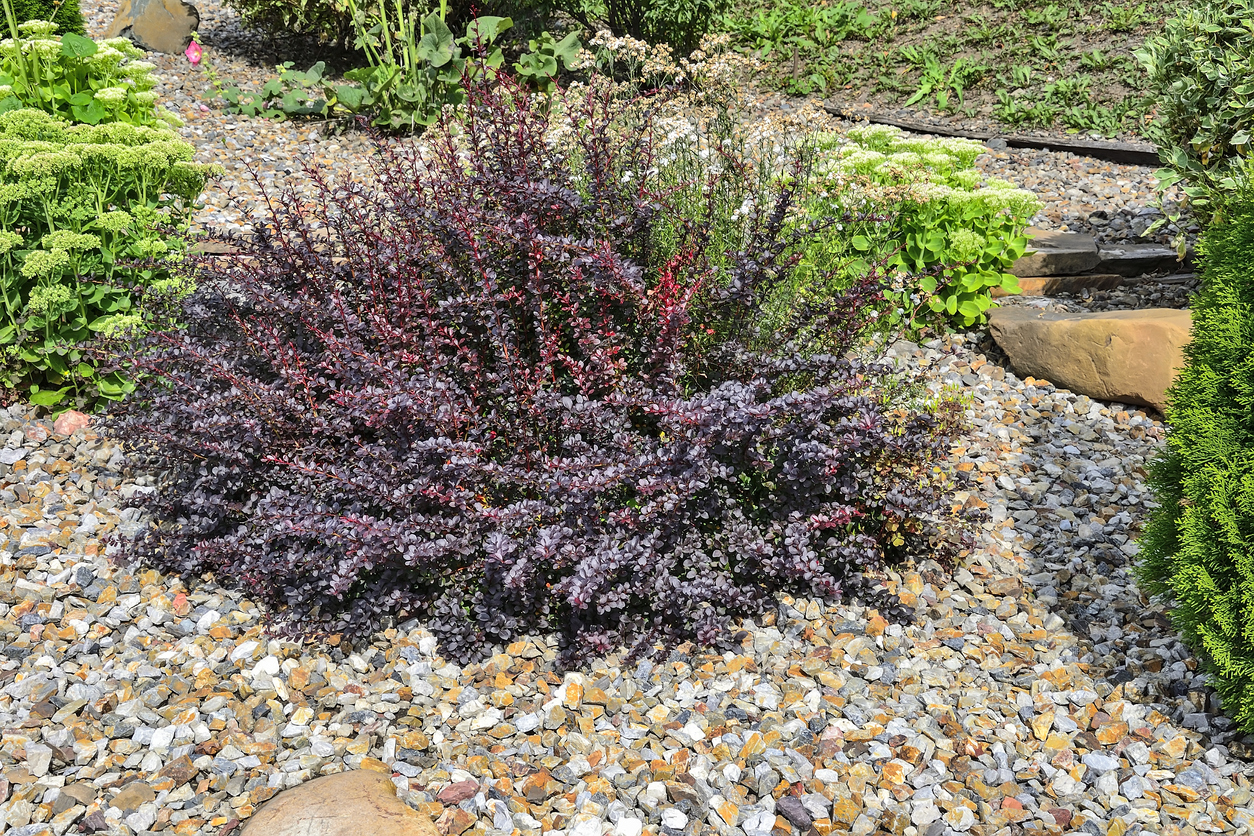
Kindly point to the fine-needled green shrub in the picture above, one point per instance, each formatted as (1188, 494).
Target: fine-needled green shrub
(1201, 78)
(66, 14)
(953, 233)
(1198, 548)
(84, 217)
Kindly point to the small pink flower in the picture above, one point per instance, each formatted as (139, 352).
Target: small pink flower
(193, 53)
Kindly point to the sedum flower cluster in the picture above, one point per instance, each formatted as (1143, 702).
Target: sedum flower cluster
(78, 79)
(85, 212)
(954, 233)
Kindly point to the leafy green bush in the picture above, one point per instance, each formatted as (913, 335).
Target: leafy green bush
(1201, 77)
(1197, 546)
(415, 68)
(78, 79)
(332, 20)
(79, 205)
(326, 19)
(66, 14)
(954, 234)
(680, 24)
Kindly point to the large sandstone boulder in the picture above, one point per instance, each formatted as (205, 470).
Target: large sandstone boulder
(156, 25)
(348, 804)
(1124, 356)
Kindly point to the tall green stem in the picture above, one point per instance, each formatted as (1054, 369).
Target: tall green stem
(11, 18)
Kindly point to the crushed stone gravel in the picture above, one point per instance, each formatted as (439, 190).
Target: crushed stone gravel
(1036, 692)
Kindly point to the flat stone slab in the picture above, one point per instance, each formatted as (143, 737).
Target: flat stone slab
(1054, 285)
(1053, 253)
(359, 803)
(1123, 356)
(1138, 259)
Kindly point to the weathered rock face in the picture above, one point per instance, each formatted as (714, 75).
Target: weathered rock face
(347, 804)
(1124, 356)
(156, 25)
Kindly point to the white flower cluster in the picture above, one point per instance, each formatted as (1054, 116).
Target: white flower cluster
(37, 28)
(111, 95)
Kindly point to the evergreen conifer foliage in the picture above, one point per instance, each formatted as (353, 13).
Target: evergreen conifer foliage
(66, 14)
(1198, 549)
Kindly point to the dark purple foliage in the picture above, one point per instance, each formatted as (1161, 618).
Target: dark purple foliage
(478, 400)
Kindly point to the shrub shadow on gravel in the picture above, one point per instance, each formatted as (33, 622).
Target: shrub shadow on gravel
(1081, 547)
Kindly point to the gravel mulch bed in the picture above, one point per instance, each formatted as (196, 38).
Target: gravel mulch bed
(1037, 692)
(1148, 293)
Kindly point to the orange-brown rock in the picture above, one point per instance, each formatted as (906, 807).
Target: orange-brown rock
(157, 25)
(347, 804)
(1123, 356)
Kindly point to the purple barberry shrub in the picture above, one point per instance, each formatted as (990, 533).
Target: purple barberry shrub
(471, 388)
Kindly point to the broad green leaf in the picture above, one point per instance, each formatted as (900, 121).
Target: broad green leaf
(482, 31)
(567, 48)
(437, 45)
(351, 97)
(48, 397)
(77, 46)
(91, 114)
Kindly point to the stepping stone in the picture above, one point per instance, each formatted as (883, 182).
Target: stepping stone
(156, 25)
(1122, 356)
(348, 804)
(1054, 285)
(1057, 254)
(1138, 259)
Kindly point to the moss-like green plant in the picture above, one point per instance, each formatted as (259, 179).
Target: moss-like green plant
(1198, 548)
(85, 214)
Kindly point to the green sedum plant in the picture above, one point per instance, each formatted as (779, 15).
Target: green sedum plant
(1198, 546)
(954, 233)
(76, 78)
(86, 214)
(1201, 77)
